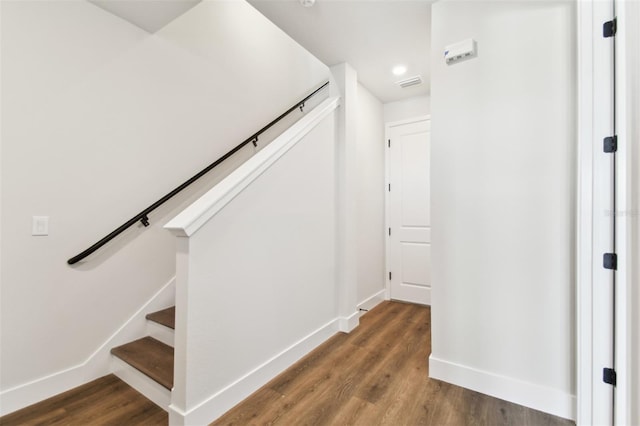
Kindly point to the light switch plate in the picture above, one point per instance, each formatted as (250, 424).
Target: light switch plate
(40, 225)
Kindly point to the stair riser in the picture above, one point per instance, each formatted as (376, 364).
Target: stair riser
(159, 332)
(151, 389)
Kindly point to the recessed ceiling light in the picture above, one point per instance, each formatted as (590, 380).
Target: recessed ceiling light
(399, 70)
(307, 3)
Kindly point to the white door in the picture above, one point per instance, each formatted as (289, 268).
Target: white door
(408, 211)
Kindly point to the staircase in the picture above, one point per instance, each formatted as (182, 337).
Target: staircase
(201, 393)
(146, 364)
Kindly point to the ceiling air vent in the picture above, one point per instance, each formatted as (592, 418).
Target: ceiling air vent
(411, 81)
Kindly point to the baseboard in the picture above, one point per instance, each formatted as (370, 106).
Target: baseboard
(223, 400)
(371, 302)
(348, 324)
(530, 395)
(45, 387)
(97, 365)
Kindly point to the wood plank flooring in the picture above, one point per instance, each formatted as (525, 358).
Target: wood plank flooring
(105, 401)
(376, 375)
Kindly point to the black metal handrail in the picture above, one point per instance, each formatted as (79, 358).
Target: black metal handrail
(143, 218)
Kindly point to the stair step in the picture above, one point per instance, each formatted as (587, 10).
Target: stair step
(160, 332)
(166, 317)
(151, 357)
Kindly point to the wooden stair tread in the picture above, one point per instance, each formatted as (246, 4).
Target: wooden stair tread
(151, 357)
(166, 317)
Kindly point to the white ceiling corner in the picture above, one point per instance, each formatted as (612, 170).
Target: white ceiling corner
(150, 15)
(371, 35)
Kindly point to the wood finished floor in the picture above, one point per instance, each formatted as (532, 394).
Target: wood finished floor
(105, 401)
(376, 375)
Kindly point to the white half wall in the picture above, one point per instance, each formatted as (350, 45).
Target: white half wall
(256, 278)
(370, 195)
(503, 175)
(417, 106)
(99, 120)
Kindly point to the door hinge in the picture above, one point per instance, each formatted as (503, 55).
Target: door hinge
(609, 28)
(609, 376)
(610, 143)
(610, 261)
(389, 276)
(389, 231)
(388, 143)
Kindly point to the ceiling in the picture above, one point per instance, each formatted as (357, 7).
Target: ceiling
(371, 35)
(150, 15)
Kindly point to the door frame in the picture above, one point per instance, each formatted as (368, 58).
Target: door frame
(387, 248)
(588, 102)
(590, 17)
(627, 101)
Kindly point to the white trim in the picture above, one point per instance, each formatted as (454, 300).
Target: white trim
(621, 406)
(220, 402)
(626, 37)
(628, 127)
(197, 214)
(148, 387)
(387, 178)
(42, 388)
(584, 220)
(530, 395)
(348, 324)
(98, 364)
(372, 301)
(594, 299)
(406, 121)
(2, 407)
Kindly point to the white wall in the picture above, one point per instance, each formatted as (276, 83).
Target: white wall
(100, 119)
(256, 280)
(344, 84)
(503, 148)
(405, 109)
(370, 193)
